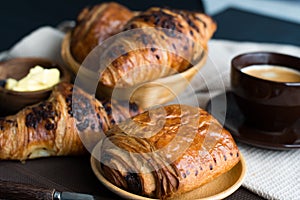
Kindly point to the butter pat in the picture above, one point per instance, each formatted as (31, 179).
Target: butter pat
(37, 79)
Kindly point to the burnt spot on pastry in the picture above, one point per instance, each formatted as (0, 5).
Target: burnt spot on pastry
(71, 89)
(133, 26)
(83, 125)
(11, 123)
(211, 167)
(156, 17)
(49, 126)
(146, 18)
(164, 20)
(69, 99)
(145, 39)
(183, 175)
(231, 154)
(196, 173)
(215, 160)
(192, 24)
(42, 113)
(133, 107)
(69, 104)
(31, 120)
(152, 49)
(199, 19)
(237, 154)
(81, 108)
(225, 158)
(98, 116)
(70, 112)
(2, 124)
(200, 167)
(134, 183)
(108, 109)
(157, 57)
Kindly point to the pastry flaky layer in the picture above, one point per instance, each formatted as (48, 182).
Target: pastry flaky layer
(167, 151)
(145, 46)
(58, 126)
(96, 24)
(156, 43)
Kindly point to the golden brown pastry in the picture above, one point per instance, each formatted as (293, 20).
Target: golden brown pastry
(141, 55)
(55, 127)
(96, 24)
(167, 151)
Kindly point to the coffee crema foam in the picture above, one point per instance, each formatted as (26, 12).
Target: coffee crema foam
(273, 73)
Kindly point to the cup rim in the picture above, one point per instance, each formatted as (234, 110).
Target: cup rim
(238, 67)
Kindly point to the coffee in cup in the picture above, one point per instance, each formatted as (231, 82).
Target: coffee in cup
(273, 73)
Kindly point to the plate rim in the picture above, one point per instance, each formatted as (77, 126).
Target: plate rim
(120, 192)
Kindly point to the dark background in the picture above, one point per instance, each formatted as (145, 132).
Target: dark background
(19, 17)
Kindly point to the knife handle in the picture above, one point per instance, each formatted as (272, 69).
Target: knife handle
(21, 191)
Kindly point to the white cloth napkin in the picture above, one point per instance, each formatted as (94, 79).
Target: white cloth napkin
(271, 174)
(44, 42)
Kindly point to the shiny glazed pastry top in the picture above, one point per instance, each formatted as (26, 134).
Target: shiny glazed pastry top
(156, 43)
(167, 151)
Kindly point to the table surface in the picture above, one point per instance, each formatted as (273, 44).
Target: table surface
(74, 173)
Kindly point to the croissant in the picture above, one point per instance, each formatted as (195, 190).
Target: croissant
(96, 24)
(56, 127)
(142, 53)
(165, 152)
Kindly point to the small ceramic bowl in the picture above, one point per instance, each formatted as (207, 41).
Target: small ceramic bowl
(17, 68)
(267, 105)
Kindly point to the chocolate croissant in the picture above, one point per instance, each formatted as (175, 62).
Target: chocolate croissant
(56, 127)
(165, 152)
(142, 53)
(96, 24)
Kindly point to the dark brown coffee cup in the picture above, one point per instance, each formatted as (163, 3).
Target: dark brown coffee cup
(266, 105)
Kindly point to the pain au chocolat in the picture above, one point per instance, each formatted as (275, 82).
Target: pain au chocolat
(165, 152)
(56, 127)
(157, 43)
(146, 45)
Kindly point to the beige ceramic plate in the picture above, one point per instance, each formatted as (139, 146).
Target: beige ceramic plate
(219, 188)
